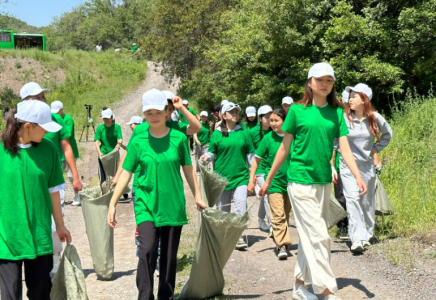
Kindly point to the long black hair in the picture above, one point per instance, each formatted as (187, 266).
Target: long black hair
(280, 112)
(9, 136)
(260, 126)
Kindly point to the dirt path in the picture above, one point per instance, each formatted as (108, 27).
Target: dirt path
(252, 274)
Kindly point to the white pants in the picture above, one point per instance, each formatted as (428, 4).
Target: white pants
(263, 205)
(361, 209)
(239, 197)
(310, 204)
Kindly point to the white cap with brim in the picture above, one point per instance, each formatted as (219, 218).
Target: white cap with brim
(32, 89)
(135, 120)
(170, 95)
(360, 88)
(250, 111)
(224, 102)
(263, 110)
(185, 102)
(35, 111)
(154, 99)
(345, 96)
(321, 69)
(229, 106)
(204, 113)
(107, 114)
(287, 100)
(56, 106)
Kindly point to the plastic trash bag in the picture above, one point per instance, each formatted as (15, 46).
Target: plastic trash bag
(383, 206)
(218, 235)
(336, 212)
(95, 203)
(108, 164)
(69, 281)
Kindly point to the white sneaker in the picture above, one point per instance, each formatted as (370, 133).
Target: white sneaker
(357, 247)
(331, 297)
(76, 201)
(263, 226)
(242, 244)
(366, 244)
(300, 292)
(282, 253)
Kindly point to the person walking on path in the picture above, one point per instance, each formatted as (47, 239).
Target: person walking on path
(202, 139)
(311, 126)
(278, 200)
(31, 164)
(250, 119)
(232, 149)
(160, 211)
(108, 136)
(286, 103)
(369, 133)
(257, 134)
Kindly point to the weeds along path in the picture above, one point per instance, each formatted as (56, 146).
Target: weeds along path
(252, 274)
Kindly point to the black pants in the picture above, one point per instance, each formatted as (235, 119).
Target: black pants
(148, 236)
(339, 195)
(36, 275)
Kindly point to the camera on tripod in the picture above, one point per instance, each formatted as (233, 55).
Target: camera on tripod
(89, 121)
(88, 109)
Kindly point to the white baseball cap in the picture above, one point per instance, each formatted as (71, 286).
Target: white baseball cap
(107, 114)
(56, 106)
(38, 112)
(321, 69)
(154, 99)
(250, 111)
(135, 120)
(224, 102)
(170, 95)
(345, 96)
(263, 110)
(229, 106)
(287, 100)
(185, 102)
(31, 89)
(204, 113)
(360, 88)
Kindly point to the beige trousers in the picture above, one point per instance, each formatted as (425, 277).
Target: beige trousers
(310, 205)
(280, 207)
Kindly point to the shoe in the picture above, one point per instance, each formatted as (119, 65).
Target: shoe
(76, 201)
(263, 226)
(282, 253)
(357, 247)
(331, 297)
(125, 199)
(366, 244)
(300, 292)
(343, 234)
(242, 244)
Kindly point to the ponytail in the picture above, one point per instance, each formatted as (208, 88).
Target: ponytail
(224, 128)
(260, 126)
(9, 136)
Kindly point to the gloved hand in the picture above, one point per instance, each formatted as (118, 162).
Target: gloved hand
(334, 175)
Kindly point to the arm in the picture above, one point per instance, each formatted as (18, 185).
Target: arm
(191, 178)
(386, 134)
(196, 139)
(63, 233)
(332, 163)
(348, 157)
(71, 161)
(119, 144)
(97, 147)
(119, 170)
(122, 183)
(194, 125)
(252, 180)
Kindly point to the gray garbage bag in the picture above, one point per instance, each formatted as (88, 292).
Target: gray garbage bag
(109, 163)
(336, 212)
(383, 206)
(69, 281)
(95, 203)
(218, 235)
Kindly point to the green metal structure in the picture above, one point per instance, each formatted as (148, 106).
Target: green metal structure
(11, 40)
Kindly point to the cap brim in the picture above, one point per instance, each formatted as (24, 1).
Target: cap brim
(323, 74)
(149, 107)
(129, 123)
(251, 115)
(106, 117)
(51, 126)
(55, 110)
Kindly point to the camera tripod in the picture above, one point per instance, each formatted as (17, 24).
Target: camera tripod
(89, 122)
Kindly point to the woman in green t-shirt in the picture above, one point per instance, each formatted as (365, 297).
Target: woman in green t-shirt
(231, 146)
(32, 166)
(278, 199)
(160, 198)
(311, 126)
(250, 120)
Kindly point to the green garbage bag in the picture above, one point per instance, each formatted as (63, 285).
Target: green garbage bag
(336, 212)
(69, 281)
(383, 206)
(218, 235)
(108, 166)
(95, 203)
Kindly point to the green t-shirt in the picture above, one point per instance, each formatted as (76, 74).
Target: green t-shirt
(108, 137)
(231, 156)
(69, 125)
(267, 151)
(247, 125)
(57, 137)
(25, 203)
(160, 197)
(337, 160)
(314, 130)
(204, 134)
(143, 127)
(134, 48)
(255, 135)
(183, 118)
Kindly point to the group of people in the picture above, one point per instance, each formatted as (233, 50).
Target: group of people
(285, 155)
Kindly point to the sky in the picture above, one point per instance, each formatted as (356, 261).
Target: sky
(38, 12)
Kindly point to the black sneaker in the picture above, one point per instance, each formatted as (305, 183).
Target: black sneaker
(343, 234)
